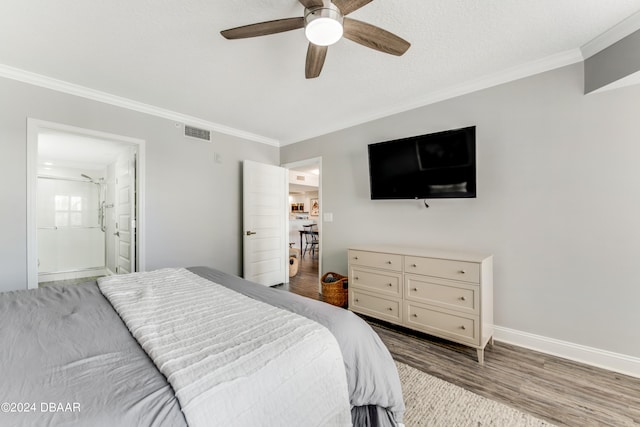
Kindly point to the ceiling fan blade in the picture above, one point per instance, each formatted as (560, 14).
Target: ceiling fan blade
(309, 4)
(374, 37)
(348, 6)
(315, 60)
(263, 28)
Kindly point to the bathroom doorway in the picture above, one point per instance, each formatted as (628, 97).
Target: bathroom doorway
(84, 204)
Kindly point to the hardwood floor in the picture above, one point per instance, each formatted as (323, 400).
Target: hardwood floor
(555, 389)
(306, 282)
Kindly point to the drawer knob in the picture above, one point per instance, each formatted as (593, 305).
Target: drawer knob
(356, 278)
(415, 315)
(390, 284)
(462, 327)
(462, 272)
(357, 300)
(355, 257)
(389, 262)
(390, 309)
(414, 265)
(415, 289)
(462, 299)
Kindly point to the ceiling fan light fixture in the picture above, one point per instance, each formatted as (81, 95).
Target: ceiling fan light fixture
(323, 25)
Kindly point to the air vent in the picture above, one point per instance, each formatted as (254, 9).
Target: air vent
(300, 178)
(197, 133)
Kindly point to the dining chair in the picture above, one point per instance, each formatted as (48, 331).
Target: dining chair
(310, 239)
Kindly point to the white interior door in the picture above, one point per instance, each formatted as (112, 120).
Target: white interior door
(125, 207)
(264, 243)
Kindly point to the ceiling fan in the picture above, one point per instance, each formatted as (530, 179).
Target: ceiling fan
(325, 23)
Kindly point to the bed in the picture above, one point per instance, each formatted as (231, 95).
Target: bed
(73, 356)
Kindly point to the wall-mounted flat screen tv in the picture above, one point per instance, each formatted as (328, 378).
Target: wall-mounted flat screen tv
(434, 166)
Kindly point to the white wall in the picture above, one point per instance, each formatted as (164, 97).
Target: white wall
(558, 203)
(193, 204)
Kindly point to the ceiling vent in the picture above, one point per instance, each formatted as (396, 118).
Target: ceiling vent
(194, 132)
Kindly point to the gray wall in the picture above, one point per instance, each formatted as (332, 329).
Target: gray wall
(193, 204)
(612, 63)
(558, 202)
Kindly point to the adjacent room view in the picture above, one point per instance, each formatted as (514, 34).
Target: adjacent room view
(304, 233)
(319, 213)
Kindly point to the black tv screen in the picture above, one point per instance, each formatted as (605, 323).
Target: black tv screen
(433, 166)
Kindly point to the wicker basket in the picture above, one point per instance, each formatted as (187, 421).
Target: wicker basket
(335, 293)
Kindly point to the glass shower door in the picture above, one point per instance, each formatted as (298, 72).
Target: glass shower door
(70, 238)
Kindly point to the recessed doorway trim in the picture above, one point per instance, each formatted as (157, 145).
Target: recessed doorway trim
(34, 128)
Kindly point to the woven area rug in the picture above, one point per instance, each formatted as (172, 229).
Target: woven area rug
(431, 401)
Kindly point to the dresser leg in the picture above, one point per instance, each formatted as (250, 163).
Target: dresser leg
(480, 356)
(491, 340)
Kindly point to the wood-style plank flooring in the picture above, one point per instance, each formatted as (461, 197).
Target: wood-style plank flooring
(305, 282)
(555, 389)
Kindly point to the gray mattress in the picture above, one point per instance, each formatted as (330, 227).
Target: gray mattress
(67, 346)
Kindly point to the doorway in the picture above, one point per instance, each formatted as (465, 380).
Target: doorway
(305, 227)
(84, 203)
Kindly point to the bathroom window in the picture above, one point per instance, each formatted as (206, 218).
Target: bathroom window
(75, 214)
(68, 211)
(62, 210)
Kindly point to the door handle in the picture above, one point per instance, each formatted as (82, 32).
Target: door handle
(117, 233)
(249, 233)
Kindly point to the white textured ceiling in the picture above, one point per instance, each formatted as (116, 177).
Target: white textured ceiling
(169, 54)
(64, 149)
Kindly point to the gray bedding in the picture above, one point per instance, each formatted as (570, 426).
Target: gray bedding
(67, 346)
(374, 385)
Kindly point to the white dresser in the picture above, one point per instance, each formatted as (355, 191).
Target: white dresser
(445, 294)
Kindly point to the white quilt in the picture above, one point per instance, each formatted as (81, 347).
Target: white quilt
(232, 360)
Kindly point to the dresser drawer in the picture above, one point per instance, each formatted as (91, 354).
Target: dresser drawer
(448, 269)
(389, 309)
(376, 260)
(442, 293)
(458, 327)
(386, 282)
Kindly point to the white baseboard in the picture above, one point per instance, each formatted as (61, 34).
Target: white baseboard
(616, 362)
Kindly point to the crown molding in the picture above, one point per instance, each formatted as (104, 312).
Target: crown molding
(511, 74)
(611, 36)
(118, 101)
(528, 69)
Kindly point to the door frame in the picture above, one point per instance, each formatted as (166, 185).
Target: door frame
(130, 160)
(294, 165)
(34, 127)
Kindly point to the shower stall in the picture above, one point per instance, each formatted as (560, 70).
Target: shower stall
(71, 227)
(82, 210)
